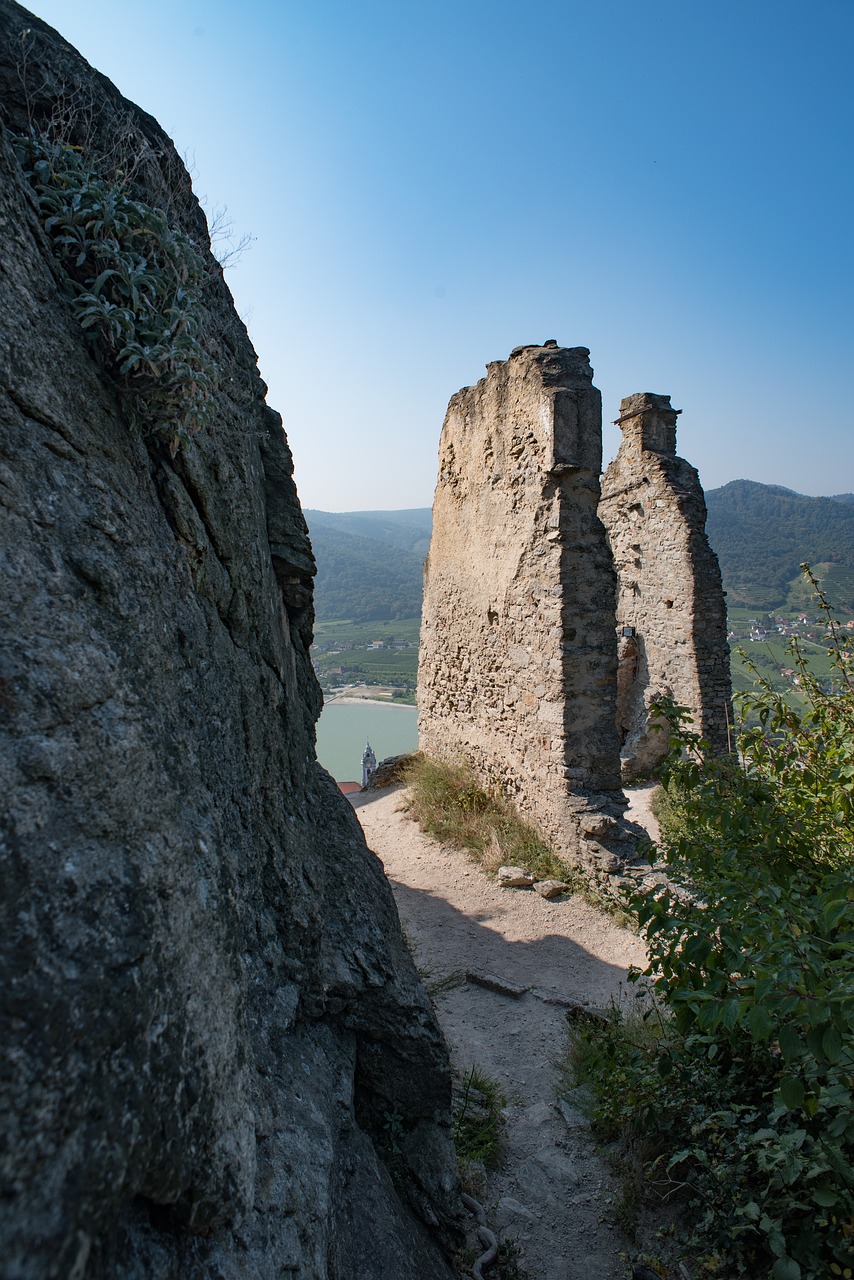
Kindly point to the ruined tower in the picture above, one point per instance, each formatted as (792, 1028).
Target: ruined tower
(518, 662)
(671, 614)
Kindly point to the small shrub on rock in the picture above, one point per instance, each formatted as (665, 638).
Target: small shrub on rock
(134, 283)
(478, 1120)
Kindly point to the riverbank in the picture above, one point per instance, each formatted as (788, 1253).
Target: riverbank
(368, 702)
(379, 694)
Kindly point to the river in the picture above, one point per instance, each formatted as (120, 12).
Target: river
(345, 727)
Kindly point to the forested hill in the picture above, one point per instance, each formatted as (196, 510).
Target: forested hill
(369, 563)
(762, 533)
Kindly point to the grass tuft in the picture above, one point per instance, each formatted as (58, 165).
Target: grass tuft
(599, 1076)
(478, 1120)
(448, 802)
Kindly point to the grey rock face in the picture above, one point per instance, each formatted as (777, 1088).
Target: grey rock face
(211, 1025)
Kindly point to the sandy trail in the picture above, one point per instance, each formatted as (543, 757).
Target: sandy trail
(553, 1193)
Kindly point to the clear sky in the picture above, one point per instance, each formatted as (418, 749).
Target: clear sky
(428, 185)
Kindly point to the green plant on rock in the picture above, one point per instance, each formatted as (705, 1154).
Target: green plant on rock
(507, 1265)
(746, 1091)
(389, 1138)
(134, 283)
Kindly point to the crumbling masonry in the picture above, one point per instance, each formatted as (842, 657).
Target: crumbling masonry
(671, 615)
(518, 668)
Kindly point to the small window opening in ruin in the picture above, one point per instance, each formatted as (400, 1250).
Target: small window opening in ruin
(491, 617)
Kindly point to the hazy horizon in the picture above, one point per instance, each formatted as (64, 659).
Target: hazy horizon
(427, 506)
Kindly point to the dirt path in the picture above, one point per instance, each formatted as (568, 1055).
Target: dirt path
(553, 1194)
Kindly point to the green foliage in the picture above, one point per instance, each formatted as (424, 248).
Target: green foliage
(837, 584)
(748, 1088)
(334, 634)
(507, 1265)
(133, 282)
(449, 803)
(343, 645)
(389, 1139)
(761, 533)
(754, 1069)
(478, 1121)
(607, 1074)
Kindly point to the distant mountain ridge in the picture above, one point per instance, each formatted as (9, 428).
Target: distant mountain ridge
(762, 533)
(370, 563)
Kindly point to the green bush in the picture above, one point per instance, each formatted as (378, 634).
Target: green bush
(748, 1086)
(134, 284)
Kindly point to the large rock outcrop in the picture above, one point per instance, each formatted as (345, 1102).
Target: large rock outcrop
(217, 1059)
(671, 612)
(517, 665)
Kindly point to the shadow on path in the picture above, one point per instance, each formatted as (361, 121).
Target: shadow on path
(452, 939)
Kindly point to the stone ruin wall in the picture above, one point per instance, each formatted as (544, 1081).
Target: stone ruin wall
(518, 667)
(671, 612)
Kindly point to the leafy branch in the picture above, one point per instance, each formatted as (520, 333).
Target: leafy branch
(747, 1089)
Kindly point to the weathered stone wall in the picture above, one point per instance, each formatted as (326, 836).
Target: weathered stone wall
(208, 1013)
(671, 614)
(517, 667)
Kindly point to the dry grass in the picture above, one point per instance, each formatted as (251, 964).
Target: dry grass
(448, 802)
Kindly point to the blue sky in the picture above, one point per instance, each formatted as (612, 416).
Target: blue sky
(429, 185)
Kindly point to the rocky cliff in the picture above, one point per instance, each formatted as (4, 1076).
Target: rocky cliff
(217, 1059)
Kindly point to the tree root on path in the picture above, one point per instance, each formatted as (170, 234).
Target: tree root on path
(484, 1235)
